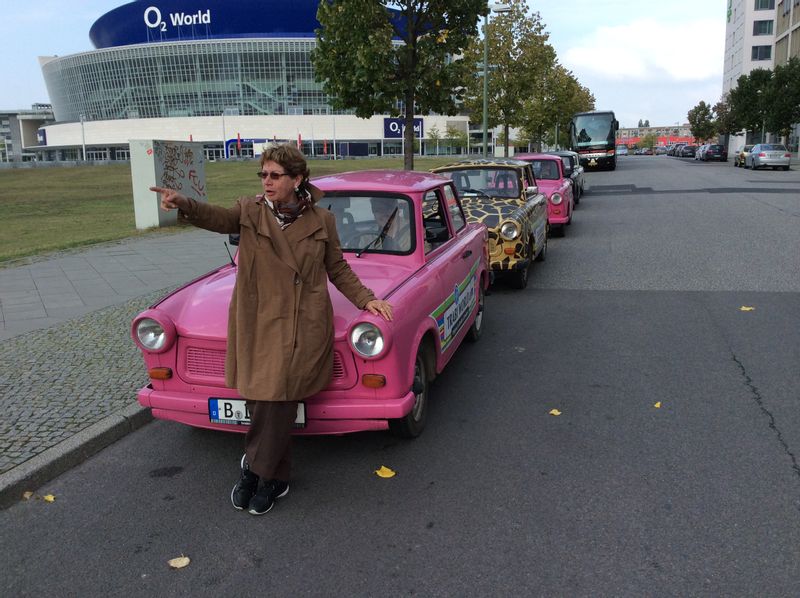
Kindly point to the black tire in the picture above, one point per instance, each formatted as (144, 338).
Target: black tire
(519, 278)
(475, 331)
(786, 168)
(414, 421)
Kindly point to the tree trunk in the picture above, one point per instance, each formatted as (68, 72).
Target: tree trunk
(506, 129)
(408, 133)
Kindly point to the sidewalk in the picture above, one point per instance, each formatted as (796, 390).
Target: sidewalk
(69, 371)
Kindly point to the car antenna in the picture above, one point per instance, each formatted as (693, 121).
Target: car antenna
(229, 254)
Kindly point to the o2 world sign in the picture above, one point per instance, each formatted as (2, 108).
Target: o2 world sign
(393, 128)
(155, 20)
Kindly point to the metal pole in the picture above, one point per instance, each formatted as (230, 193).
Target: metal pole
(486, 86)
(83, 138)
(224, 137)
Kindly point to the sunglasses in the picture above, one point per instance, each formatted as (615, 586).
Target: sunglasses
(273, 175)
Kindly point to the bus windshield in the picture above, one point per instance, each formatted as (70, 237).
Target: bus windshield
(594, 129)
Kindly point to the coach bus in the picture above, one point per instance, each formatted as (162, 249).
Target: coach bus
(593, 137)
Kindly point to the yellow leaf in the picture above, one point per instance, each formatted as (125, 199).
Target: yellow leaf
(747, 308)
(27, 495)
(554, 412)
(49, 498)
(385, 472)
(179, 562)
(657, 405)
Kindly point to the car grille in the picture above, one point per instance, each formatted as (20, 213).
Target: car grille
(203, 363)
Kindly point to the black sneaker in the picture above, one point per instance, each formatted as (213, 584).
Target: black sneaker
(245, 488)
(264, 499)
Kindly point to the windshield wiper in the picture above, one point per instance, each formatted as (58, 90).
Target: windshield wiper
(381, 235)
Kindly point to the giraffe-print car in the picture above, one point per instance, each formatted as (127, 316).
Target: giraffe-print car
(502, 194)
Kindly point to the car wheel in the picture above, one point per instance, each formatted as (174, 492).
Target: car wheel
(786, 168)
(413, 423)
(476, 329)
(519, 278)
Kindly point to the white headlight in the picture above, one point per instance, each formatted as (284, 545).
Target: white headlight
(367, 339)
(509, 230)
(555, 199)
(151, 334)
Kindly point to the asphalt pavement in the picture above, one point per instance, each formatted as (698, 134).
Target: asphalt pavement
(68, 367)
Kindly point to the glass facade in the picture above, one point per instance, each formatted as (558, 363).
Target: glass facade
(197, 78)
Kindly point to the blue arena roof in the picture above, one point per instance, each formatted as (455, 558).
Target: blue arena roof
(149, 21)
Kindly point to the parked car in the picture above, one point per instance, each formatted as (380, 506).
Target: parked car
(557, 187)
(769, 154)
(382, 370)
(740, 157)
(502, 194)
(688, 151)
(573, 169)
(647, 151)
(660, 150)
(676, 149)
(715, 151)
(622, 150)
(698, 153)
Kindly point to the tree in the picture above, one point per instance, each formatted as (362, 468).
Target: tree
(783, 98)
(456, 137)
(649, 140)
(701, 121)
(723, 119)
(641, 124)
(647, 123)
(434, 135)
(519, 59)
(748, 100)
(375, 60)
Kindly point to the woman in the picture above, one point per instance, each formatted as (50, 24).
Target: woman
(280, 320)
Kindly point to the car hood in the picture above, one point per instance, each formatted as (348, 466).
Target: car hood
(200, 309)
(490, 212)
(548, 187)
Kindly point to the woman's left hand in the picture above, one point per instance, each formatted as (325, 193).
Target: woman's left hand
(379, 307)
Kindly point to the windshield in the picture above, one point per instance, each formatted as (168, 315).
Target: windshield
(361, 218)
(592, 129)
(496, 182)
(545, 169)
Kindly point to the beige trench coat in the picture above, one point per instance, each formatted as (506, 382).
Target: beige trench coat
(280, 320)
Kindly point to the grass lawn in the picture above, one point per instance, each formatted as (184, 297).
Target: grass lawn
(48, 209)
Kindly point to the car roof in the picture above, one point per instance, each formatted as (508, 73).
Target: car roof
(398, 181)
(539, 156)
(483, 162)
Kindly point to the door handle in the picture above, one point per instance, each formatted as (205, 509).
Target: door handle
(466, 254)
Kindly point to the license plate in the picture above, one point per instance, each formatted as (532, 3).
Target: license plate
(234, 412)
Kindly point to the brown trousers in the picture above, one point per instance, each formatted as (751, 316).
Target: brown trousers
(268, 441)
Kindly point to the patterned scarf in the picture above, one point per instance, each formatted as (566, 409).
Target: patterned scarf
(286, 213)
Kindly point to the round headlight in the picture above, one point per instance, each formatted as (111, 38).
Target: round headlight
(151, 334)
(367, 339)
(509, 230)
(555, 199)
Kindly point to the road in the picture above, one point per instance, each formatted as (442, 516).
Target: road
(663, 328)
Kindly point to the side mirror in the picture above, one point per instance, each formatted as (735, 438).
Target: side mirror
(233, 239)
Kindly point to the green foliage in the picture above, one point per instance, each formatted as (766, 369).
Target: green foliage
(371, 62)
(783, 97)
(748, 100)
(520, 58)
(723, 119)
(701, 121)
(649, 140)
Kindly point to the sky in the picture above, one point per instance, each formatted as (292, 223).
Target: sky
(645, 59)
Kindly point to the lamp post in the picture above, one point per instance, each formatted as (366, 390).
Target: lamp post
(83, 137)
(498, 8)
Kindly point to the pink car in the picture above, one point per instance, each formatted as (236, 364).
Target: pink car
(556, 185)
(427, 261)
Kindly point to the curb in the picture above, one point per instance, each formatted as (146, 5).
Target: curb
(62, 457)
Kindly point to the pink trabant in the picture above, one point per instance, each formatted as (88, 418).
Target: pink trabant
(556, 185)
(405, 235)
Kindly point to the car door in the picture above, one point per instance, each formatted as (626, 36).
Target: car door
(536, 208)
(453, 261)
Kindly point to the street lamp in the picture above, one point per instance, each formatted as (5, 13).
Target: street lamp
(498, 8)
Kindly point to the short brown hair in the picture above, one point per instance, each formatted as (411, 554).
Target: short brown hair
(289, 157)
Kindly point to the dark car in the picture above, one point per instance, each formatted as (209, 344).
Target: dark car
(687, 151)
(715, 151)
(574, 170)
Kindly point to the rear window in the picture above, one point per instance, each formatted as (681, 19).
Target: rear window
(773, 147)
(715, 147)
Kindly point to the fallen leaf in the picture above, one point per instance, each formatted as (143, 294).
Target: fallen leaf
(179, 562)
(27, 495)
(385, 472)
(49, 498)
(657, 405)
(747, 308)
(555, 412)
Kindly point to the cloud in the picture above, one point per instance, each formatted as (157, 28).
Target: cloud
(650, 50)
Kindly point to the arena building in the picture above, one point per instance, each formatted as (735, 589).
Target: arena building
(232, 75)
